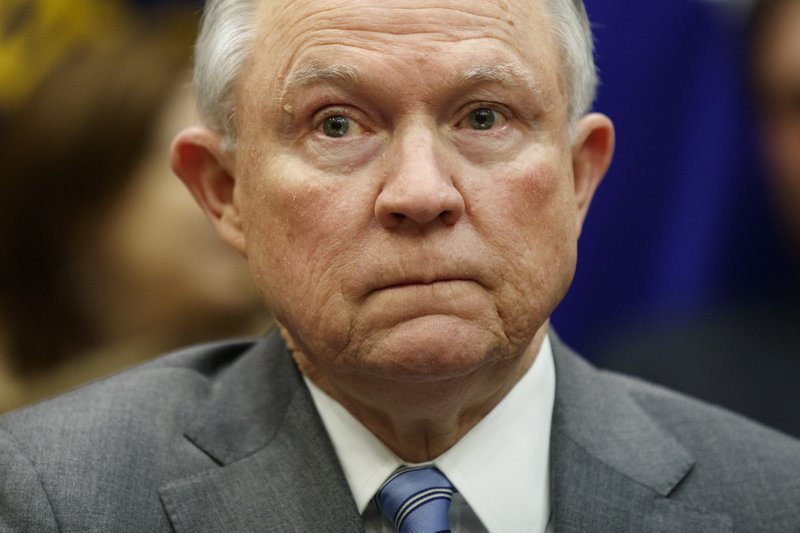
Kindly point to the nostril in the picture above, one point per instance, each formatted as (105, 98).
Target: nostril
(390, 219)
(449, 217)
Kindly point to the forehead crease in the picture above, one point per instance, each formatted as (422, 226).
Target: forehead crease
(298, 31)
(402, 20)
(291, 22)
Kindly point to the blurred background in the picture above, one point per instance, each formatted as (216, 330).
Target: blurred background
(107, 261)
(688, 264)
(687, 271)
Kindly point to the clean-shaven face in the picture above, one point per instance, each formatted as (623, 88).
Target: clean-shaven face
(404, 178)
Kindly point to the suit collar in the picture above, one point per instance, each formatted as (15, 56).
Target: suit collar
(246, 401)
(278, 469)
(612, 467)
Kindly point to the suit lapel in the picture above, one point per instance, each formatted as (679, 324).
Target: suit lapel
(277, 469)
(612, 467)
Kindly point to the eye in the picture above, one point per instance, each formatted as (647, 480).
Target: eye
(336, 126)
(481, 119)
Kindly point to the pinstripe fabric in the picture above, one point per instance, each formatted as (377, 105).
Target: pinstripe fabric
(416, 500)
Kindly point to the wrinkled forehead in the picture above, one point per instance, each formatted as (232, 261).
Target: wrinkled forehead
(428, 17)
(291, 32)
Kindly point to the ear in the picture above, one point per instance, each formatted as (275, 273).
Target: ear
(592, 149)
(199, 160)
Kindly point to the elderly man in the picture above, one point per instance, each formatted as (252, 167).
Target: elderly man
(408, 180)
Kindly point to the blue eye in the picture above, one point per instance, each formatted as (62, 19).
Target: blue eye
(336, 126)
(481, 119)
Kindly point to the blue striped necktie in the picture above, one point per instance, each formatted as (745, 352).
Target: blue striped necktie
(416, 500)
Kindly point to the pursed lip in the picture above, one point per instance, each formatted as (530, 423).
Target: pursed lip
(418, 281)
(421, 281)
(431, 272)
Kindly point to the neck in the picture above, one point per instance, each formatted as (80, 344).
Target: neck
(420, 421)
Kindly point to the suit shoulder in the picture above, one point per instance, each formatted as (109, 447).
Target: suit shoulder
(139, 398)
(731, 451)
(93, 459)
(23, 500)
(696, 420)
(657, 447)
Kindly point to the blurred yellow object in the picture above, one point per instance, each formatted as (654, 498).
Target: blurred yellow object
(35, 34)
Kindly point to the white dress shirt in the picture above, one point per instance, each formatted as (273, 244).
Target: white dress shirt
(500, 467)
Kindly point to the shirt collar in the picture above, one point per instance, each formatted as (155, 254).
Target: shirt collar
(501, 466)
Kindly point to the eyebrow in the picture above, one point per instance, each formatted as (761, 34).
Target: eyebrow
(503, 73)
(316, 72)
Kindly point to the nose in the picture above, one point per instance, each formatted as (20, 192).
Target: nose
(419, 189)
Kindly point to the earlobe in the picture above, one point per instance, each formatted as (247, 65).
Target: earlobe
(199, 160)
(592, 150)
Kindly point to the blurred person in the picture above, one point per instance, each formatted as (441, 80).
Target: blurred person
(775, 72)
(106, 261)
(745, 355)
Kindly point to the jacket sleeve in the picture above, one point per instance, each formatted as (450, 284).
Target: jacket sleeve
(23, 501)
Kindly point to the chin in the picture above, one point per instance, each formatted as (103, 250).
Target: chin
(432, 349)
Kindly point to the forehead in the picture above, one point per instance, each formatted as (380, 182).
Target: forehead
(424, 18)
(394, 35)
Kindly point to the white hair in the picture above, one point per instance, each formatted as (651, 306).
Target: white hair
(228, 29)
(573, 33)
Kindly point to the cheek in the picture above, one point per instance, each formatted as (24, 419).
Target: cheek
(298, 236)
(535, 211)
(547, 216)
(533, 231)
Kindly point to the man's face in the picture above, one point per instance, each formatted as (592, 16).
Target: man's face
(404, 181)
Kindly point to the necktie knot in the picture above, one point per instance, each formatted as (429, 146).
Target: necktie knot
(416, 500)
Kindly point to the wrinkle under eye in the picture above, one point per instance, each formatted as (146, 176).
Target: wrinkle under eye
(336, 126)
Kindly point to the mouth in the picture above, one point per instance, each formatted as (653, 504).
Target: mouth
(432, 277)
(419, 282)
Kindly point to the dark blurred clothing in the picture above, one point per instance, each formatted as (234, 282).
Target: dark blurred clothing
(745, 358)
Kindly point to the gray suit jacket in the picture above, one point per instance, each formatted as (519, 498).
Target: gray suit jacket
(225, 438)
